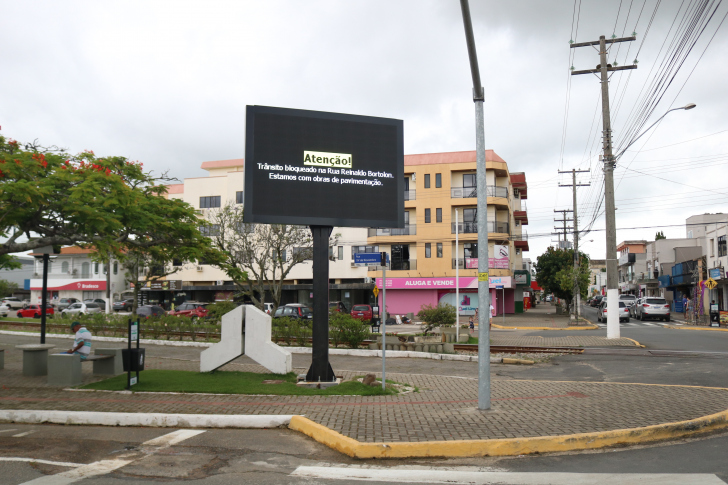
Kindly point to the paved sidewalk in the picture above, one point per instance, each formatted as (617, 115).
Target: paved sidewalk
(542, 316)
(444, 409)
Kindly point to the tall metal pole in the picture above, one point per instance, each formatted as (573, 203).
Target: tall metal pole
(457, 280)
(320, 370)
(384, 320)
(44, 299)
(577, 292)
(482, 218)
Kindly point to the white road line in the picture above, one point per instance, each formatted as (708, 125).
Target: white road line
(45, 462)
(173, 438)
(7, 430)
(20, 435)
(502, 478)
(103, 467)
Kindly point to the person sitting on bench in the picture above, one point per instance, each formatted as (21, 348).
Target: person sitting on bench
(82, 341)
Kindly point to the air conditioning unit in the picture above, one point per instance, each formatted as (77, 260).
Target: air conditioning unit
(219, 282)
(368, 280)
(199, 268)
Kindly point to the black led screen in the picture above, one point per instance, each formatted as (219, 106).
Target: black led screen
(328, 169)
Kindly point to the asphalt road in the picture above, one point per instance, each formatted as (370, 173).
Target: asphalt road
(280, 456)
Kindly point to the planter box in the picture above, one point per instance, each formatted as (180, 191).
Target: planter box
(390, 340)
(430, 339)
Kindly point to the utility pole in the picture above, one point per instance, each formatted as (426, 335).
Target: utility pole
(611, 230)
(577, 292)
(564, 220)
(482, 220)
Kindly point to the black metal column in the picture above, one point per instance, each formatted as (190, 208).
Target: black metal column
(320, 370)
(44, 299)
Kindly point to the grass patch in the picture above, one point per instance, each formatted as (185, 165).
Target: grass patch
(472, 340)
(225, 382)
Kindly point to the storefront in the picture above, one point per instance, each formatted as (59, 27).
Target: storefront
(408, 295)
(68, 288)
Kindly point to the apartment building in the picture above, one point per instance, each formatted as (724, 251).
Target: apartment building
(440, 201)
(632, 264)
(202, 282)
(711, 232)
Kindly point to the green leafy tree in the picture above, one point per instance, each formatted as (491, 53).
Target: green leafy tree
(442, 315)
(49, 197)
(345, 328)
(555, 273)
(7, 288)
(660, 235)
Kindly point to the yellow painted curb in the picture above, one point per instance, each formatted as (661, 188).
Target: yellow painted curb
(635, 342)
(690, 327)
(510, 446)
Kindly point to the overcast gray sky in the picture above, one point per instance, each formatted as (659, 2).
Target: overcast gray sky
(167, 82)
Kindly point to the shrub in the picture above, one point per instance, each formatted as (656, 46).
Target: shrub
(442, 315)
(216, 310)
(345, 328)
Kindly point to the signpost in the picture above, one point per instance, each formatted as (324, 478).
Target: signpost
(133, 358)
(318, 169)
(503, 297)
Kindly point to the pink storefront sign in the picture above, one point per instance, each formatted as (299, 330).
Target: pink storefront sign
(493, 263)
(441, 283)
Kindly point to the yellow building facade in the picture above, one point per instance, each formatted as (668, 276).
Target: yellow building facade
(440, 201)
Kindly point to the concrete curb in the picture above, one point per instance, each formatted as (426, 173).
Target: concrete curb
(690, 327)
(591, 327)
(635, 342)
(510, 446)
(171, 343)
(158, 420)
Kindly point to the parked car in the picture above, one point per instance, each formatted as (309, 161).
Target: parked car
(100, 302)
(362, 312)
(64, 303)
(652, 307)
(82, 309)
(4, 310)
(190, 309)
(34, 311)
(294, 310)
(337, 306)
(123, 305)
(147, 311)
(602, 311)
(596, 301)
(13, 302)
(629, 300)
(549, 298)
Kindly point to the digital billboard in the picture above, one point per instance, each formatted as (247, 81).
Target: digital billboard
(328, 169)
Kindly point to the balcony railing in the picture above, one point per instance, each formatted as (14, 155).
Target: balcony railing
(409, 195)
(472, 227)
(407, 230)
(398, 266)
(469, 192)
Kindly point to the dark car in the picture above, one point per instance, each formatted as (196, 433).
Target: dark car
(100, 302)
(123, 305)
(294, 310)
(596, 301)
(147, 311)
(337, 306)
(362, 312)
(190, 309)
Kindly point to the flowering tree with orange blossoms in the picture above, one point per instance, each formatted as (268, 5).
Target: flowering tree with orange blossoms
(51, 198)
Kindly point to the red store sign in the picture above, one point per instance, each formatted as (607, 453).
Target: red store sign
(76, 285)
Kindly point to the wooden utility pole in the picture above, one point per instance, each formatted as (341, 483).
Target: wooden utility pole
(611, 232)
(577, 292)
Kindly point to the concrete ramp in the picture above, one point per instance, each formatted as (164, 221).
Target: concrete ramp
(246, 330)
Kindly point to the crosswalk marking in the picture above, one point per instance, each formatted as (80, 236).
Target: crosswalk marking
(20, 435)
(477, 477)
(636, 324)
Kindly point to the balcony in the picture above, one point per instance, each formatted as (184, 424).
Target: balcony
(398, 266)
(472, 192)
(521, 216)
(407, 230)
(472, 227)
(409, 195)
(520, 241)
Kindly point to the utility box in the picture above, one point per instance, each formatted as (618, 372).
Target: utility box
(136, 363)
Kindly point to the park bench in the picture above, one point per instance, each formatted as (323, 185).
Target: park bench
(65, 369)
(35, 358)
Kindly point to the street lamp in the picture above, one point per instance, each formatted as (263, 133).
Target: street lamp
(686, 107)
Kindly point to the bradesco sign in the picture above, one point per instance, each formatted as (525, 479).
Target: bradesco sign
(328, 169)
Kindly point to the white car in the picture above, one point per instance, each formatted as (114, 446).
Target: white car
(82, 308)
(652, 307)
(13, 302)
(4, 310)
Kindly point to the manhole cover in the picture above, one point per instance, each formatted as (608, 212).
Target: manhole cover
(273, 381)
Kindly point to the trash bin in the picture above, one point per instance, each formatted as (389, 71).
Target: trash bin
(375, 323)
(137, 359)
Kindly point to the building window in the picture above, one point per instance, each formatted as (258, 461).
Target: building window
(116, 267)
(274, 254)
(92, 295)
(211, 230)
(363, 249)
(427, 216)
(86, 270)
(427, 180)
(64, 267)
(210, 202)
(428, 250)
(712, 248)
(438, 215)
(439, 250)
(469, 180)
(96, 268)
(400, 258)
(176, 262)
(341, 253)
(722, 250)
(302, 254)
(239, 197)
(438, 180)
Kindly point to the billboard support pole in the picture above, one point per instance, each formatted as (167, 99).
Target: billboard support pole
(320, 370)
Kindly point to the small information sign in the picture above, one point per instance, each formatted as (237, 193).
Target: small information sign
(482, 276)
(376, 292)
(132, 381)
